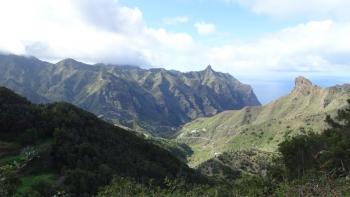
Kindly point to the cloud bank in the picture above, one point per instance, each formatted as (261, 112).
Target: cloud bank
(106, 31)
(317, 46)
(298, 8)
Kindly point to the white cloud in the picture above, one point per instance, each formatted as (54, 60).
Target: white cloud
(57, 29)
(318, 46)
(204, 28)
(298, 8)
(176, 20)
(90, 31)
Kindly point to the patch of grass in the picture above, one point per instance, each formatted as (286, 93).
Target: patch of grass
(28, 182)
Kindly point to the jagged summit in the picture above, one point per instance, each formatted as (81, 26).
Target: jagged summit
(302, 81)
(209, 68)
(210, 74)
(304, 86)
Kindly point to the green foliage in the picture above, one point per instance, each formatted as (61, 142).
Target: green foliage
(83, 151)
(82, 154)
(179, 150)
(336, 156)
(41, 185)
(231, 165)
(250, 186)
(172, 188)
(7, 97)
(299, 153)
(328, 152)
(313, 186)
(9, 181)
(247, 185)
(89, 148)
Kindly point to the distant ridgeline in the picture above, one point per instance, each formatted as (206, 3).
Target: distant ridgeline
(154, 100)
(264, 127)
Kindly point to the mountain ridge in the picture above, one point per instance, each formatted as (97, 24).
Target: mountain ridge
(155, 100)
(263, 127)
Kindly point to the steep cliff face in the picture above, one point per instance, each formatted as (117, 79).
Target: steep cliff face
(186, 96)
(304, 87)
(156, 100)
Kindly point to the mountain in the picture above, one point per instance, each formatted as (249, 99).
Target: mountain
(59, 148)
(155, 100)
(263, 127)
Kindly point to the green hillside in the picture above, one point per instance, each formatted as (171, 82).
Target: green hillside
(53, 148)
(59, 149)
(264, 127)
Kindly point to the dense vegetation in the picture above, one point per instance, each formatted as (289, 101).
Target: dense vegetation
(58, 147)
(326, 154)
(309, 164)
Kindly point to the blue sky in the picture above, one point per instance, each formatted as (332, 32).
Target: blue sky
(265, 43)
(232, 19)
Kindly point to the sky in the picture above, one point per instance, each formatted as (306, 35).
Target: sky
(264, 43)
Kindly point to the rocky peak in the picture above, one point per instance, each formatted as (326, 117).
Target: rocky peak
(209, 68)
(302, 81)
(304, 86)
(209, 72)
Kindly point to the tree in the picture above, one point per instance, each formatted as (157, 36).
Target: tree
(327, 152)
(299, 153)
(336, 157)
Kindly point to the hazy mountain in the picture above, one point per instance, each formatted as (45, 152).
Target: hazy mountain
(155, 100)
(264, 127)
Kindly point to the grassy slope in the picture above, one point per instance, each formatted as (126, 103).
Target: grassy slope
(263, 127)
